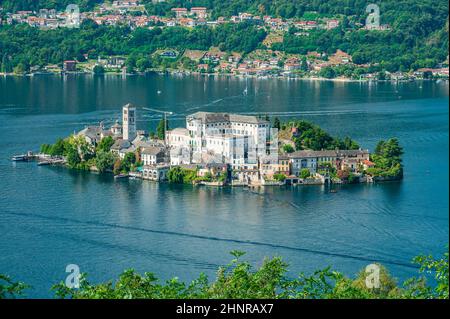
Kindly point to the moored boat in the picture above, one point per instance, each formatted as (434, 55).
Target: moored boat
(19, 158)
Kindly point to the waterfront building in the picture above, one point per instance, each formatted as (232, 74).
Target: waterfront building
(303, 160)
(351, 164)
(368, 164)
(156, 172)
(152, 155)
(237, 139)
(214, 169)
(283, 165)
(340, 159)
(359, 154)
(129, 122)
(246, 174)
(327, 157)
(70, 66)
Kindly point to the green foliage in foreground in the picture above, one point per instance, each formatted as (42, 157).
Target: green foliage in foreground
(239, 280)
(9, 288)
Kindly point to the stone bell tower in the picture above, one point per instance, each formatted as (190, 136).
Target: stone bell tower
(129, 122)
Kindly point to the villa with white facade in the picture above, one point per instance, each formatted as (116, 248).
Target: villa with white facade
(221, 137)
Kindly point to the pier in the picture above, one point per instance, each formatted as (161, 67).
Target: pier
(42, 159)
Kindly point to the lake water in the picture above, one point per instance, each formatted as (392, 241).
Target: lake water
(51, 217)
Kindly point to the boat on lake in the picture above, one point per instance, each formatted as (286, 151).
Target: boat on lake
(22, 157)
(19, 158)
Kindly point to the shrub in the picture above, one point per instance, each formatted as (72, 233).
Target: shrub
(305, 173)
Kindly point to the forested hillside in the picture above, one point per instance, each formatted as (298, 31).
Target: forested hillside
(418, 35)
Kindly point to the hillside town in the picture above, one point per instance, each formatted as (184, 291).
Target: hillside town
(223, 149)
(133, 14)
(267, 62)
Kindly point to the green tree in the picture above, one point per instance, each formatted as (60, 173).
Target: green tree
(427, 75)
(327, 72)
(387, 159)
(287, 148)
(117, 168)
(239, 279)
(304, 65)
(59, 148)
(128, 161)
(10, 289)
(105, 144)
(104, 160)
(304, 173)
(98, 69)
(279, 177)
(277, 123)
(163, 125)
(6, 64)
(143, 64)
(73, 158)
(21, 68)
(438, 268)
(175, 175)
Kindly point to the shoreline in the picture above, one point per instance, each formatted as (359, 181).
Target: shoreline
(238, 76)
(319, 180)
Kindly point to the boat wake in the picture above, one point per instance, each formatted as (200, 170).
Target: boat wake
(368, 259)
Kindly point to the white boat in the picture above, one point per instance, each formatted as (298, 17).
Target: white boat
(19, 158)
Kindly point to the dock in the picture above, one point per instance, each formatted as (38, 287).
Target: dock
(29, 156)
(51, 161)
(42, 159)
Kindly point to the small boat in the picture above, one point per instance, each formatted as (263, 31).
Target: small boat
(23, 157)
(121, 176)
(19, 158)
(333, 191)
(43, 163)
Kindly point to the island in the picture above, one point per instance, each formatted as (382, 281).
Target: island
(218, 149)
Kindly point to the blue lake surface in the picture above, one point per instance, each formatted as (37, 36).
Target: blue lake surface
(51, 217)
